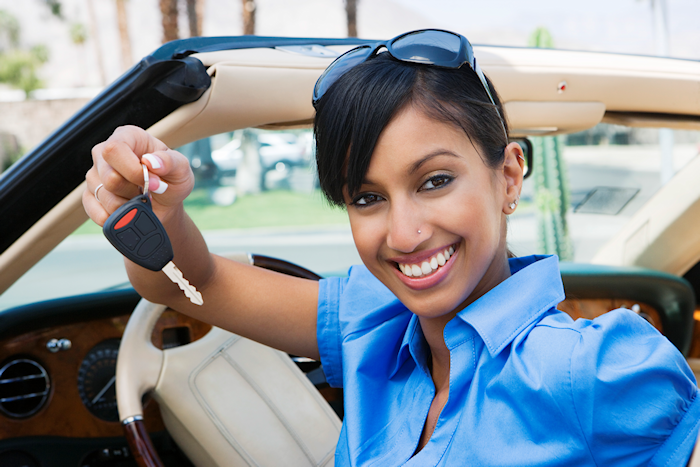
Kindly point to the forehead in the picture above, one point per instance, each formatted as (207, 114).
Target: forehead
(412, 137)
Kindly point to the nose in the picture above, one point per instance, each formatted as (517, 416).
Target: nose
(405, 227)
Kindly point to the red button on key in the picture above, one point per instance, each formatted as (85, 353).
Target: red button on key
(124, 221)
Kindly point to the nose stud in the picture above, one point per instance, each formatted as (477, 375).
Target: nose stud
(419, 232)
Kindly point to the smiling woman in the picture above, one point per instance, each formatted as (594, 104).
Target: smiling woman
(449, 351)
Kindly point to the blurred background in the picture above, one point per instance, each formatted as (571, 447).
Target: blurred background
(256, 190)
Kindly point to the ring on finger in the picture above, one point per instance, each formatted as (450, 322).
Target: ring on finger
(97, 190)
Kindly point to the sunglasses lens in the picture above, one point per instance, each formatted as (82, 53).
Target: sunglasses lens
(339, 67)
(430, 47)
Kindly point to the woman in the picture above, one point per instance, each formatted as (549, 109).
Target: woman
(450, 353)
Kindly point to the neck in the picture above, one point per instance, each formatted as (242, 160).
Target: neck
(439, 353)
(433, 328)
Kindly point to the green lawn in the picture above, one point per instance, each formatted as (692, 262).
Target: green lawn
(267, 209)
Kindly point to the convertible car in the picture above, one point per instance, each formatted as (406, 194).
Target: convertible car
(92, 375)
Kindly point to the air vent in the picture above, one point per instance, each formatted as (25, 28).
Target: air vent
(24, 388)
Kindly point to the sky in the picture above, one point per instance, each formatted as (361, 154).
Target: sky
(623, 26)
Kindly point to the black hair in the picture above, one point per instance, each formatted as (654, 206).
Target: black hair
(355, 110)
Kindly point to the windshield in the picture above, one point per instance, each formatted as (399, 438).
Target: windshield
(256, 191)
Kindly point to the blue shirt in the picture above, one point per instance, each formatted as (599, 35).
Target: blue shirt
(528, 385)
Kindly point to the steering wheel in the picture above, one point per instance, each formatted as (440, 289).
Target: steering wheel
(225, 400)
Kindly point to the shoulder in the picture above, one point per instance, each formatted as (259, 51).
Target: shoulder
(357, 315)
(360, 300)
(633, 393)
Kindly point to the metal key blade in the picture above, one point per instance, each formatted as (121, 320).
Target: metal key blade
(176, 276)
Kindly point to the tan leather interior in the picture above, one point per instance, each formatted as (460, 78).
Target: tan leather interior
(140, 362)
(224, 398)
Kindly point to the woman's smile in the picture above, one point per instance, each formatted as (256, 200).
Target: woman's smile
(425, 269)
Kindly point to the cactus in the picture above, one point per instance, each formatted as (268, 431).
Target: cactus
(552, 193)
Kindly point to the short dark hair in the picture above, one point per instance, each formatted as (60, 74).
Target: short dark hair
(360, 104)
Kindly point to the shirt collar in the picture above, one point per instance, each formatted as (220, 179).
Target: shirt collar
(413, 344)
(499, 315)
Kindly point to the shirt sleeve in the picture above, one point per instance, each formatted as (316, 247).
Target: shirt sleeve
(634, 394)
(328, 332)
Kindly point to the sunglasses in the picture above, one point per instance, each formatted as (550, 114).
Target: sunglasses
(435, 47)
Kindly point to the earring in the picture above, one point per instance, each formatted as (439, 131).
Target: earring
(419, 232)
(512, 205)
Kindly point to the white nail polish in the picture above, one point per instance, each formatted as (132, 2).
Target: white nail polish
(153, 160)
(162, 186)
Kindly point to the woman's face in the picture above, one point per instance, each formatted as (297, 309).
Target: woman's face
(427, 193)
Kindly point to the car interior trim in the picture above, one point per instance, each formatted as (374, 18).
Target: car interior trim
(667, 292)
(663, 234)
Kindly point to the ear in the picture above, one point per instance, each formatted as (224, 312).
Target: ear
(513, 168)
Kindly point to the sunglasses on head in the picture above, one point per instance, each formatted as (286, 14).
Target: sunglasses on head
(427, 46)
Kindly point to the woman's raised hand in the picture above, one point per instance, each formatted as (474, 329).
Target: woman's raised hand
(117, 166)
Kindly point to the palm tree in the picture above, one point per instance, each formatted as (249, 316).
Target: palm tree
(168, 11)
(95, 33)
(125, 41)
(249, 8)
(195, 13)
(351, 12)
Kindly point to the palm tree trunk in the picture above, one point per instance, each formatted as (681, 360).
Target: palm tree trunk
(351, 12)
(168, 11)
(94, 32)
(249, 8)
(199, 9)
(193, 18)
(122, 21)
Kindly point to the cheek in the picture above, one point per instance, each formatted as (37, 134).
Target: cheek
(366, 235)
(471, 212)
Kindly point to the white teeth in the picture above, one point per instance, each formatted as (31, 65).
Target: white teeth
(441, 259)
(427, 267)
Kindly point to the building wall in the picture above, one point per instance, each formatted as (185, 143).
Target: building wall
(31, 121)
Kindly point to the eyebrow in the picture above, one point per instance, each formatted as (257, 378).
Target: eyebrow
(417, 165)
(439, 152)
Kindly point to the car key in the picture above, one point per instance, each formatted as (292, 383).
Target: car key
(137, 233)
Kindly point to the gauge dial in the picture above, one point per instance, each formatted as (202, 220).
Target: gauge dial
(97, 379)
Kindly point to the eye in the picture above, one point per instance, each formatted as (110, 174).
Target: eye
(365, 199)
(436, 181)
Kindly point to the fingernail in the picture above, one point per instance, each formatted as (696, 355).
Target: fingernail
(156, 162)
(162, 186)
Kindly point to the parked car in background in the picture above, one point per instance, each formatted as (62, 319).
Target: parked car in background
(68, 330)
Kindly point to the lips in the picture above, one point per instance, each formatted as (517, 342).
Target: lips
(427, 266)
(429, 261)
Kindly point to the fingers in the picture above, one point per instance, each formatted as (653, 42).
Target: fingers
(168, 168)
(99, 202)
(117, 165)
(118, 168)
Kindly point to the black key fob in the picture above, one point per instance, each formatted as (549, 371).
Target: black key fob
(137, 233)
